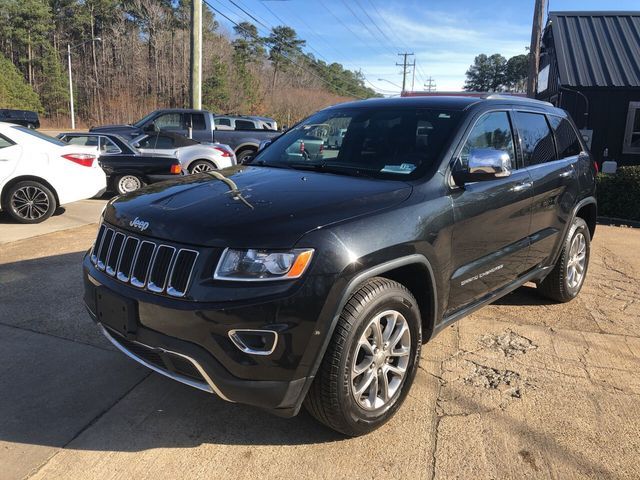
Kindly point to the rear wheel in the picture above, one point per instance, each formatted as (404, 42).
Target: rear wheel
(200, 166)
(128, 183)
(371, 360)
(243, 154)
(565, 280)
(30, 202)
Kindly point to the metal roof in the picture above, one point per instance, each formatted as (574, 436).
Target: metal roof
(597, 49)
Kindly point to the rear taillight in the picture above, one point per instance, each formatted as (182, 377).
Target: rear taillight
(84, 159)
(224, 152)
(321, 147)
(595, 164)
(176, 169)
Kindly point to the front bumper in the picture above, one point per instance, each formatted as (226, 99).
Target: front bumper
(188, 342)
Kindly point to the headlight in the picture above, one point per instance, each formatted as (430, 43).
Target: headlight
(257, 265)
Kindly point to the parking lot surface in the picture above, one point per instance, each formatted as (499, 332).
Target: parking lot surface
(523, 388)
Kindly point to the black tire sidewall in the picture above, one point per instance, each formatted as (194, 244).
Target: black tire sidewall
(244, 154)
(579, 226)
(15, 216)
(392, 299)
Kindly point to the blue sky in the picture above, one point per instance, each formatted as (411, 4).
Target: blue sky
(444, 35)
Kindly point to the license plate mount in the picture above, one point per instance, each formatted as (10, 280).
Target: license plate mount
(117, 312)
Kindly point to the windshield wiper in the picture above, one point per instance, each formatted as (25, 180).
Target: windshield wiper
(331, 168)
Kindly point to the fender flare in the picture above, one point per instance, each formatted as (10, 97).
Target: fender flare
(354, 283)
(590, 200)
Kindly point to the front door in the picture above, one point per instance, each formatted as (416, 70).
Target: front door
(492, 218)
(9, 156)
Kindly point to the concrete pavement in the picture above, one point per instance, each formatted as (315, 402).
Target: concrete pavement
(522, 388)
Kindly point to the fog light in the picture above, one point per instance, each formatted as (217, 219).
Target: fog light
(254, 342)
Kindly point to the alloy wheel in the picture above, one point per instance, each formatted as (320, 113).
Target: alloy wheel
(381, 359)
(30, 202)
(577, 260)
(202, 167)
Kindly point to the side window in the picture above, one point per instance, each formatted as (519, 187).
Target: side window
(631, 142)
(222, 121)
(245, 125)
(5, 142)
(107, 146)
(88, 141)
(146, 142)
(168, 120)
(198, 122)
(493, 130)
(163, 142)
(567, 141)
(536, 138)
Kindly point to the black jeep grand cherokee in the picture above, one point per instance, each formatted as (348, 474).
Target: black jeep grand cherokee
(298, 280)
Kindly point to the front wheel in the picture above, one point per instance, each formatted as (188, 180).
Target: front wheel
(243, 155)
(565, 280)
(128, 183)
(371, 360)
(30, 202)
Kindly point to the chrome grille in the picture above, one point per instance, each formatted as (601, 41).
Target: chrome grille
(156, 267)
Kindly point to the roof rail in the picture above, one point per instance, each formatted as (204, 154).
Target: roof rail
(502, 96)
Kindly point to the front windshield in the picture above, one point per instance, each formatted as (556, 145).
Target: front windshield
(143, 120)
(40, 135)
(382, 143)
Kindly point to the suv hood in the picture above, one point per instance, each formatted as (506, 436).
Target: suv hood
(246, 206)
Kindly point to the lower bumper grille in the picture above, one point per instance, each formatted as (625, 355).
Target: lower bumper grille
(170, 364)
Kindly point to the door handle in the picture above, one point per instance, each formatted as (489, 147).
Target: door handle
(566, 173)
(520, 187)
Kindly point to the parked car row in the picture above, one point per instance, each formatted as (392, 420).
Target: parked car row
(243, 135)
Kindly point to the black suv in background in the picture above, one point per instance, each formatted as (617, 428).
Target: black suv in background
(26, 118)
(316, 279)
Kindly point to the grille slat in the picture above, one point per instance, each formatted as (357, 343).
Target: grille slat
(159, 268)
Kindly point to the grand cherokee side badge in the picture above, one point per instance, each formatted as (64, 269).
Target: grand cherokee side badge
(138, 223)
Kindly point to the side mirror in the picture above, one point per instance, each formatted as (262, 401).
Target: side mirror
(135, 145)
(151, 127)
(263, 144)
(484, 164)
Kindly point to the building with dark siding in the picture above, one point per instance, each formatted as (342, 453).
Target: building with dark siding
(590, 66)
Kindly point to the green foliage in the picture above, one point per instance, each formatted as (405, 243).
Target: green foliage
(284, 45)
(342, 81)
(215, 89)
(619, 194)
(248, 46)
(14, 91)
(495, 73)
(55, 91)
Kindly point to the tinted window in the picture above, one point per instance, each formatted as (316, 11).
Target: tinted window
(222, 121)
(197, 121)
(567, 142)
(492, 130)
(163, 142)
(245, 125)
(386, 143)
(536, 138)
(169, 120)
(89, 141)
(107, 146)
(5, 142)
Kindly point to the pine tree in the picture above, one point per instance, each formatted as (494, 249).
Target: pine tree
(15, 92)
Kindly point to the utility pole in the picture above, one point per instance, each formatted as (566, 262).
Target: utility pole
(430, 85)
(534, 49)
(405, 69)
(73, 117)
(196, 54)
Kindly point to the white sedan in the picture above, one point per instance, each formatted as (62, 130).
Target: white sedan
(38, 173)
(195, 157)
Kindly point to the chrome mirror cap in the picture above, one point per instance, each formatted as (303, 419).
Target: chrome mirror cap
(489, 161)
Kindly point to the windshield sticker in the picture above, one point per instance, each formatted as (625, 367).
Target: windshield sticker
(404, 168)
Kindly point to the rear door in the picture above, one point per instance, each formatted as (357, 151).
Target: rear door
(550, 150)
(490, 234)
(10, 154)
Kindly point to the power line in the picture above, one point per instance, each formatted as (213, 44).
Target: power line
(261, 40)
(405, 66)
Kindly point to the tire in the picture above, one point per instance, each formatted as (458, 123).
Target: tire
(29, 202)
(561, 284)
(333, 399)
(200, 166)
(127, 183)
(240, 156)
